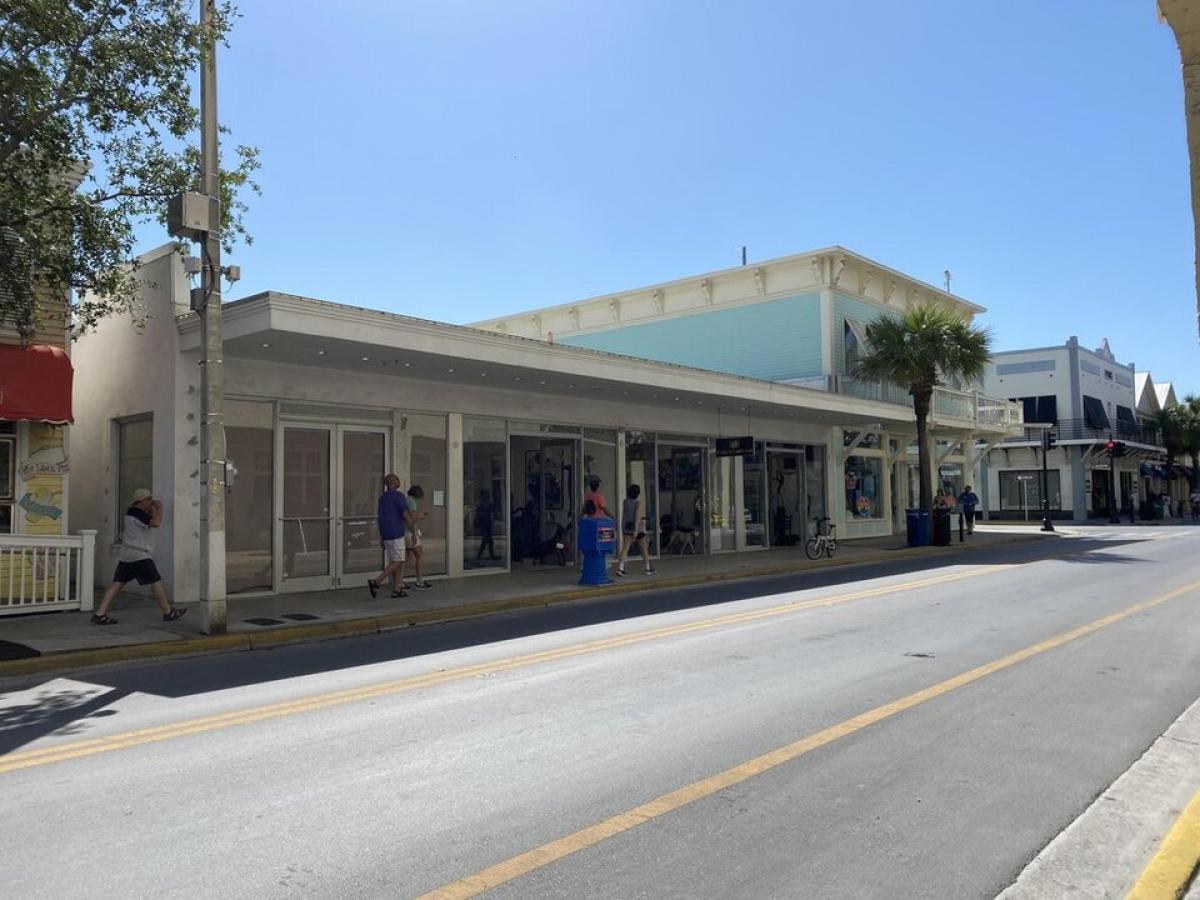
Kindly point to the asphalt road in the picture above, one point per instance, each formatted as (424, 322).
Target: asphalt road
(393, 765)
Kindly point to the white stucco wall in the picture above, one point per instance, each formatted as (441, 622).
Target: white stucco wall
(123, 370)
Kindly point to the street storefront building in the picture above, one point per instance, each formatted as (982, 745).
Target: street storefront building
(501, 432)
(42, 566)
(1086, 399)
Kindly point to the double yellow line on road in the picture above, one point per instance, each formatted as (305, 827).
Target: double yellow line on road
(77, 749)
(542, 856)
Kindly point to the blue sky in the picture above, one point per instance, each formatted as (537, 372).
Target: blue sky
(458, 160)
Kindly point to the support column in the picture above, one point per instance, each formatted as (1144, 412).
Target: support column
(827, 334)
(1078, 488)
(454, 495)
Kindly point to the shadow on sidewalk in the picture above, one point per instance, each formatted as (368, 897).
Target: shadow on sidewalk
(66, 712)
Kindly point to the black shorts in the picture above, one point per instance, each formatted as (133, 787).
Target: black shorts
(143, 571)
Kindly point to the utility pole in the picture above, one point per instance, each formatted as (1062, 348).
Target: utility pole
(947, 275)
(212, 374)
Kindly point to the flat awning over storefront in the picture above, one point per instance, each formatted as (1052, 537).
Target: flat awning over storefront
(282, 329)
(35, 384)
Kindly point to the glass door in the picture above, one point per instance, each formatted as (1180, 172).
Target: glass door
(785, 490)
(682, 517)
(641, 468)
(306, 520)
(362, 463)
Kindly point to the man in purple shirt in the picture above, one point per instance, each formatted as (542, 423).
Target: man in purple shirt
(394, 517)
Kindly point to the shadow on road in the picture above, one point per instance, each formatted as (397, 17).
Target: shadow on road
(66, 712)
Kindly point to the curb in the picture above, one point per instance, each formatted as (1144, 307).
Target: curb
(73, 659)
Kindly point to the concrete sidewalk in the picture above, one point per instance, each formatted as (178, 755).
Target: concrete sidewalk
(59, 640)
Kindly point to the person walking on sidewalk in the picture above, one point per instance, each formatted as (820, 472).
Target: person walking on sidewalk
(136, 559)
(968, 500)
(412, 538)
(596, 497)
(1195, 500)
(393, 518)
(633, 528)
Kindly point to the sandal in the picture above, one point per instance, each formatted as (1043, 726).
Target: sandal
(103, 620)
(175, 613)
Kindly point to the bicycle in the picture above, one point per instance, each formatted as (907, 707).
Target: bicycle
(824, 541)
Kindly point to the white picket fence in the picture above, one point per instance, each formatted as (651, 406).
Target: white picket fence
(43, 573)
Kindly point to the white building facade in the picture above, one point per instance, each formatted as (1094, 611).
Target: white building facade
(1085, 398)
(501, 431)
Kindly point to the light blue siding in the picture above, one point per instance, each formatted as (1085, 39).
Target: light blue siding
(776, 340)
(850, 308)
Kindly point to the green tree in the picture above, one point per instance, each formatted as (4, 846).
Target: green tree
(921, 349)
(97, 130)
(1180, 429)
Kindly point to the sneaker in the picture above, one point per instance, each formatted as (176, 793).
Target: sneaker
(650, 571)
(174, 614)
(422, 585)
(373, 587)
(621, 571)
(397, 595)
(103, 620)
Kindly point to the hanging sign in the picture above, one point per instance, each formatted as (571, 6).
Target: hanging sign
(735, 446)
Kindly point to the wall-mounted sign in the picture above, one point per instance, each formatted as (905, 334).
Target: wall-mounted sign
(735, 446)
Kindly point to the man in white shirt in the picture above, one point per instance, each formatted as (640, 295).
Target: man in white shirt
(136, 561)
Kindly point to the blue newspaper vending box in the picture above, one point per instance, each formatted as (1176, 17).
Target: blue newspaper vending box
(597, 538)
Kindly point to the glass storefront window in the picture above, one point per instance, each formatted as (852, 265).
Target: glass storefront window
(249, 496)
(422, 460)
(485, 493)
(722, 533)
(754, 487)
(600, 460)
(8, 482)
(1022, 490)
(951, 482)
(681, 499)
(864, 487)
(641, 469)
(135, 463)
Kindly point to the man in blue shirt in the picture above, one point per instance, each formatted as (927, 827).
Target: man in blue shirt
(968, 500)
(394, 517)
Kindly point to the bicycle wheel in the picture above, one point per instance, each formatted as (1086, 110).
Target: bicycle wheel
(813, 548)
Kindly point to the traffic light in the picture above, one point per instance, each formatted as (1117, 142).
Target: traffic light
(1048, 440)
(1115, 448)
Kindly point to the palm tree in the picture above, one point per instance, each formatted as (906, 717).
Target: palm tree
(920, 349)
(1180, 427)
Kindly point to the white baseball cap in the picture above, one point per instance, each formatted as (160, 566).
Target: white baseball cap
(139, 495)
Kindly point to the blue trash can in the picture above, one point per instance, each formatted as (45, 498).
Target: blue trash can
(917, 522)
(597, 539)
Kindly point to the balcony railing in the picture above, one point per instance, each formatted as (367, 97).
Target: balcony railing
(969, 407)
(1080, 430)
(43, 573)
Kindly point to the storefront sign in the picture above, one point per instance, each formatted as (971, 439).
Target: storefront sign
(735, 446)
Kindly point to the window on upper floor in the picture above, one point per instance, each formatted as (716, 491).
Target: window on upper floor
(1108, 375)
(854, 340)
(1039, 409)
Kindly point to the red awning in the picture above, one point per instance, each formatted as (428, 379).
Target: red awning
(35, 384)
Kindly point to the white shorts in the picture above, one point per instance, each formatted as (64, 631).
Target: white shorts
(394, 549)
(412, 538)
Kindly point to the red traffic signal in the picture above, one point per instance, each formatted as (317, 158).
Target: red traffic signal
(1110, 445)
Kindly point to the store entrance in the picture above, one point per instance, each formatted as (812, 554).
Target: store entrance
(681, 499)
(545, 502)
(795, 494)
(331, 479)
